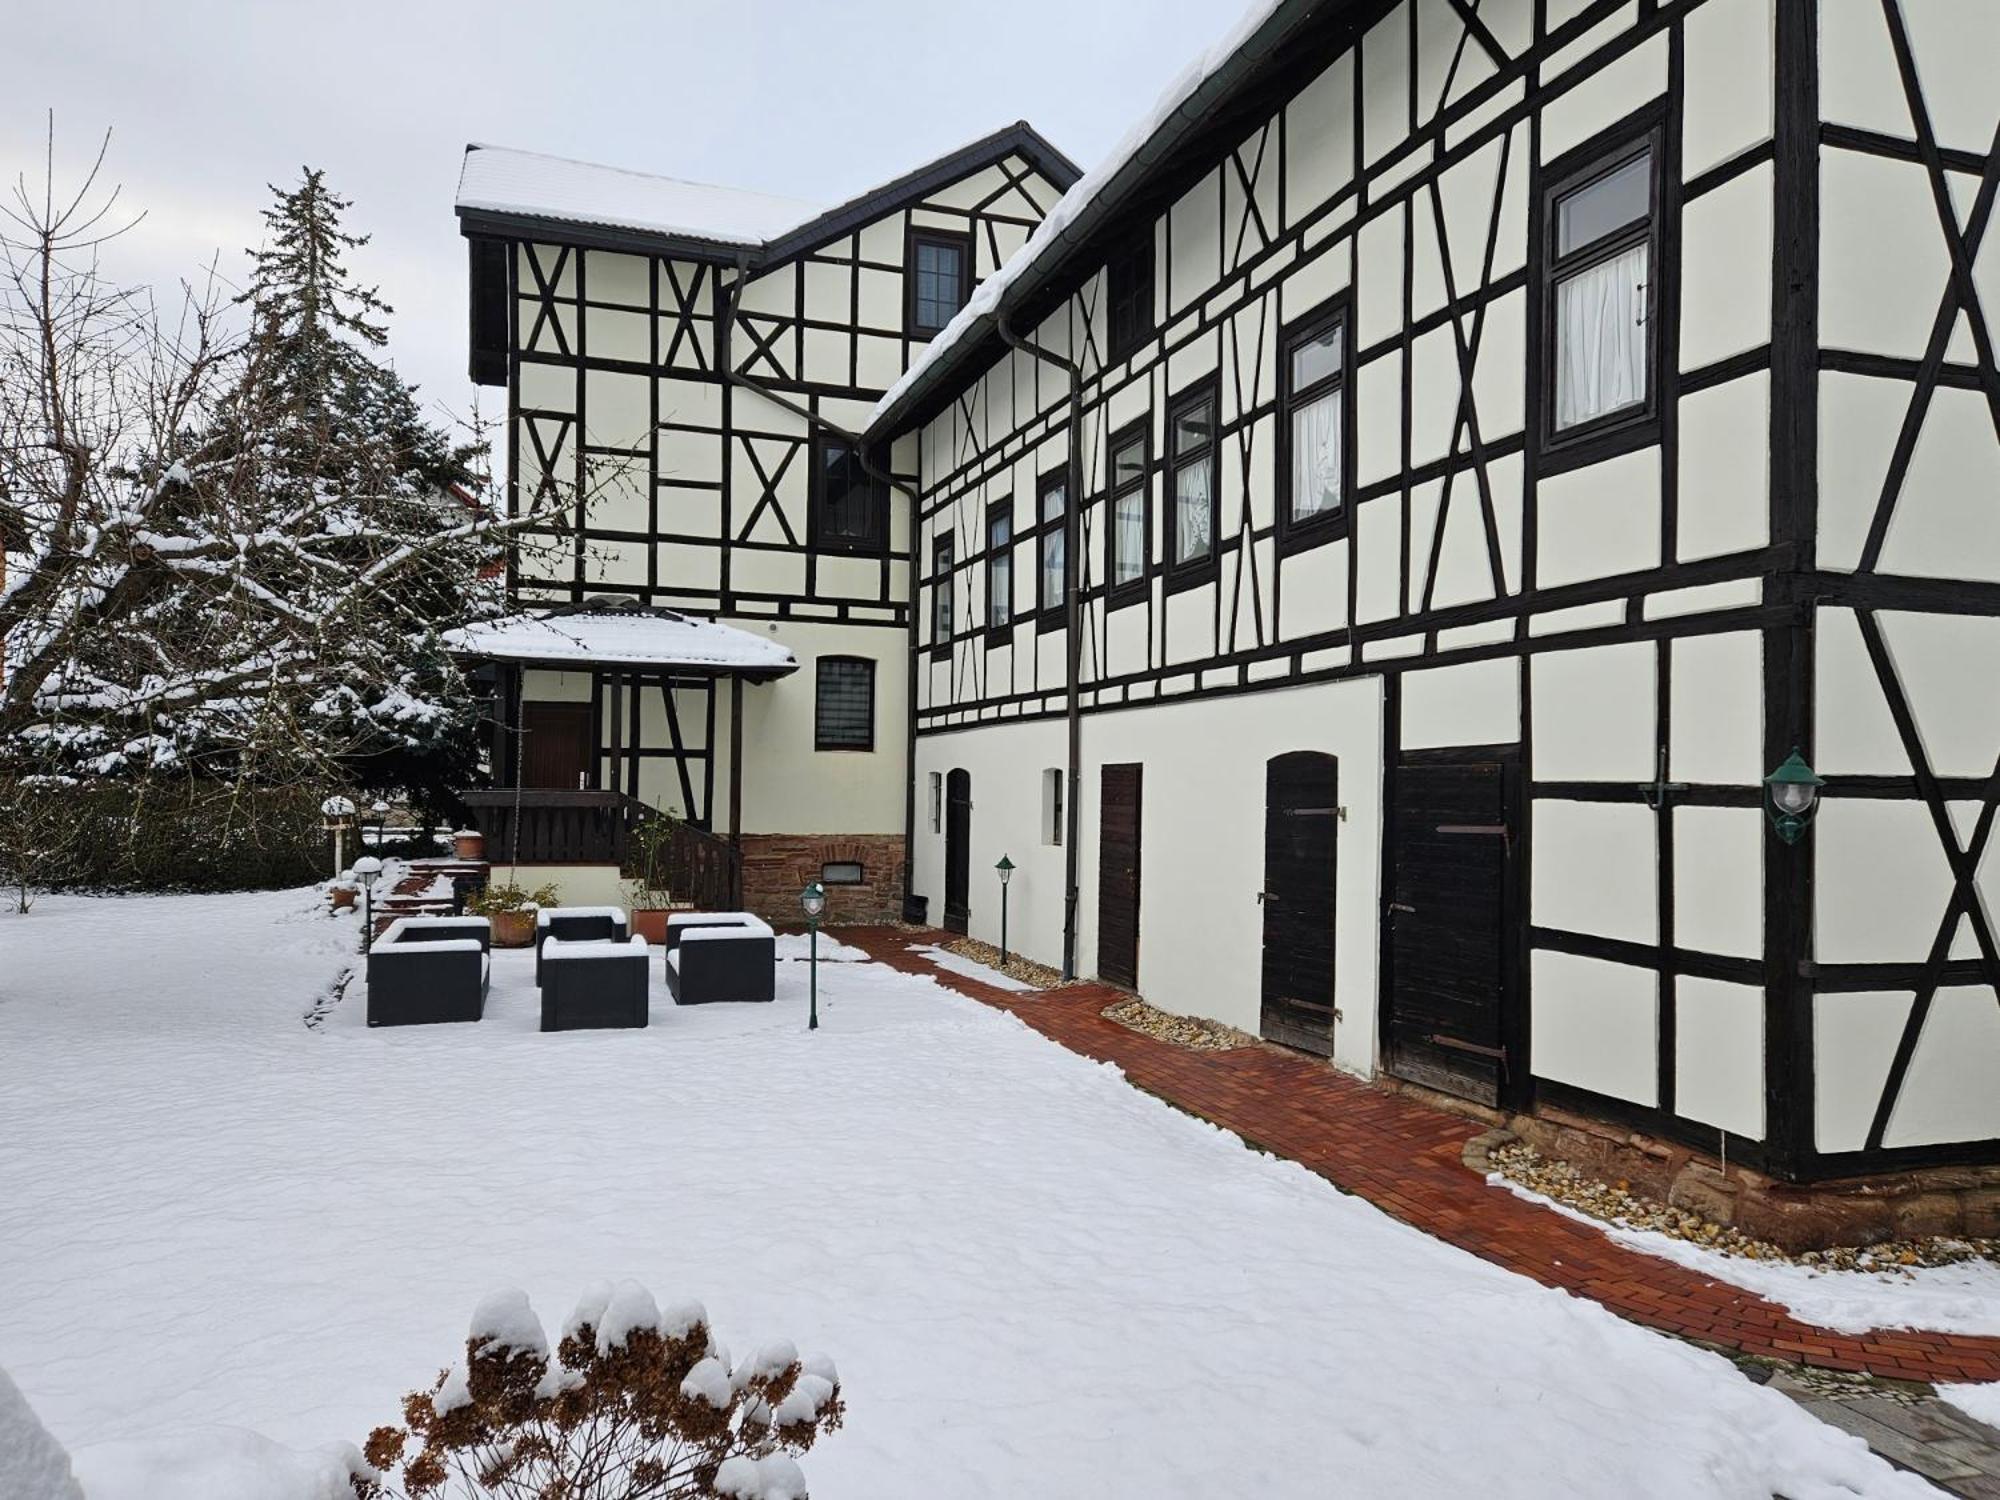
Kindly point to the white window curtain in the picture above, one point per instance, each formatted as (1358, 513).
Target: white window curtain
(1601, 339)
(1129, 549)
(1192, 484)
(1052, 569)
(1000, 608)
(1316, 457)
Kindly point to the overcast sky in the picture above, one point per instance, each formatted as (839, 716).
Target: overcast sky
(815, 99)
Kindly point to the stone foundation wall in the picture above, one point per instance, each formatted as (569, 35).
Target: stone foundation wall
(777, 866)
(1915, 1204)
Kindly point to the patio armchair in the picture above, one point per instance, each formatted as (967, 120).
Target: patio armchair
(720, 956)
(575, 924)
(425, 970)
(593, 983)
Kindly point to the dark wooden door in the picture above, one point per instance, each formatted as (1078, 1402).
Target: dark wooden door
(957, 851)
(1451, 925)
(556, 744)
(1118, 875)
(1301, 819)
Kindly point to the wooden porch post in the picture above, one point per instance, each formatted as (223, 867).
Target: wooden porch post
(736, 784)
(618, 731)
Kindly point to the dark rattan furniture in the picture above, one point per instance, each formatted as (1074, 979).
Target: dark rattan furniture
(424, 970)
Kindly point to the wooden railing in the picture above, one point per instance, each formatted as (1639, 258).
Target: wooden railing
(555, 826)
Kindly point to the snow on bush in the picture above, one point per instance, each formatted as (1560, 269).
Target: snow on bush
(635, 1403)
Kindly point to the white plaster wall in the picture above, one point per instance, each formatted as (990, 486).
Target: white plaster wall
(1478, 703)
(1719, 1055)
(1854, 1041)
(1717, 734)
(1596, 869)
(789, 787)
(1594, 713)
(1595, 1025)
(1952, 1090)
(1005, 762)
(1719, 880)
(1598, 521)
(1882, 880)
(1202, 846)
(1730, 68)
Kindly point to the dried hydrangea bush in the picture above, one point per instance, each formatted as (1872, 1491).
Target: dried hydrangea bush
(636, 1403)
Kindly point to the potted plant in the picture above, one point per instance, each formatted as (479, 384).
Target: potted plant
(646, 863)
(512, 911)
(469, 844)
(343, 893)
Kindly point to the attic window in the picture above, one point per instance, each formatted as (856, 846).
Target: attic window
(940, 280)
(1129, 292)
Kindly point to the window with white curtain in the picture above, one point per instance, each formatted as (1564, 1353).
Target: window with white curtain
(1191, 444)
(1316, 418)
(1055, 575)
(1000, 566)
(1603, 247)
(1128, 509)
(941, 590)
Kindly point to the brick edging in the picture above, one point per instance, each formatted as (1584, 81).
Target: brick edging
(1409, 1160)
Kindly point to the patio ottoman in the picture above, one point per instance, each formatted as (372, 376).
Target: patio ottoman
(728, 958)
(573, 923)
(593, 983)
(426, 970)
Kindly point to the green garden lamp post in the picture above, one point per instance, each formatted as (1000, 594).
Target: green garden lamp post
(367, 870)
(1794, 793)
(813, 899)
(1006, 869)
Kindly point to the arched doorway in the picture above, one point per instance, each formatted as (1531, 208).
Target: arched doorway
(957, 850)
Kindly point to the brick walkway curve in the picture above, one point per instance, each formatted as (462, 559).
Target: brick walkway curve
(1405, 1158)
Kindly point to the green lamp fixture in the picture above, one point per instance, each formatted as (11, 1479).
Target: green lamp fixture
(1794, 796)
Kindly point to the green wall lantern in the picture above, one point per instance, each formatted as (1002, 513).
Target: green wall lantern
(1794, 796)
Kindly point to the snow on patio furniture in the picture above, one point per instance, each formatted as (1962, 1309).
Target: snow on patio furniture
(424, 970)
(593, 983)
(578, 924)
(720, 956)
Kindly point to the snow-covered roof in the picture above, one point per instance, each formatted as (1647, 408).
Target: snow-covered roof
(501, 180)
(613, 635)
(504, 183)
(1180, 110)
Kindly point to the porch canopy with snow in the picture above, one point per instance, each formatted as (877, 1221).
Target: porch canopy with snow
(602, 712)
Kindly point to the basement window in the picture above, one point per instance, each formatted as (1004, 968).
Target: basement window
(842, 872)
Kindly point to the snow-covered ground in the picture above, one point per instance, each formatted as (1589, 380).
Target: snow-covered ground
(228, 1240)
(1962, 1298)
(1980, 1402)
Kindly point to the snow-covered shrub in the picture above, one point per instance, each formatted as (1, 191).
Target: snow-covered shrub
(635, 1403)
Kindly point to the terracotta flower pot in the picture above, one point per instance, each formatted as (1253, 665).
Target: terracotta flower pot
(650, 923)
(469, 844)
(513, 929)
(343, 897)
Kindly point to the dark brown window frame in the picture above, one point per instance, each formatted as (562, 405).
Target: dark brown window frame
(1000, 632)
(924, 235)
(1184, 573)
(819, 679)
(1138, 257)
(878, 493)
(1638, 426)
(944, 591)
(1137, 587)
(1052, 616)
(1294, 535)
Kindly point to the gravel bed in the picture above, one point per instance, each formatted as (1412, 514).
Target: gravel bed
(1615, 1203)
(1192, 1032)
(1041, 976)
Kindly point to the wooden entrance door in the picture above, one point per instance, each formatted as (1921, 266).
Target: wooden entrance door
(1452, 942)
(1301, 819)
(1118, 875)
(556, 744)
(957, 851)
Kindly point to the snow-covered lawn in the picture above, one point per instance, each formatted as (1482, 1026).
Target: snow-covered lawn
(228, 1240)
(1961, 1298)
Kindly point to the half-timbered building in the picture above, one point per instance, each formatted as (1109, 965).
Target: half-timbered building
(716, 622)
(1375, 541)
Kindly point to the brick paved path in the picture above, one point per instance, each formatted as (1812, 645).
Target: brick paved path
(1404, 1157)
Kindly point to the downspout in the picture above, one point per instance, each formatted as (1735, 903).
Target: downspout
(1072, 621)
(813, 419)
